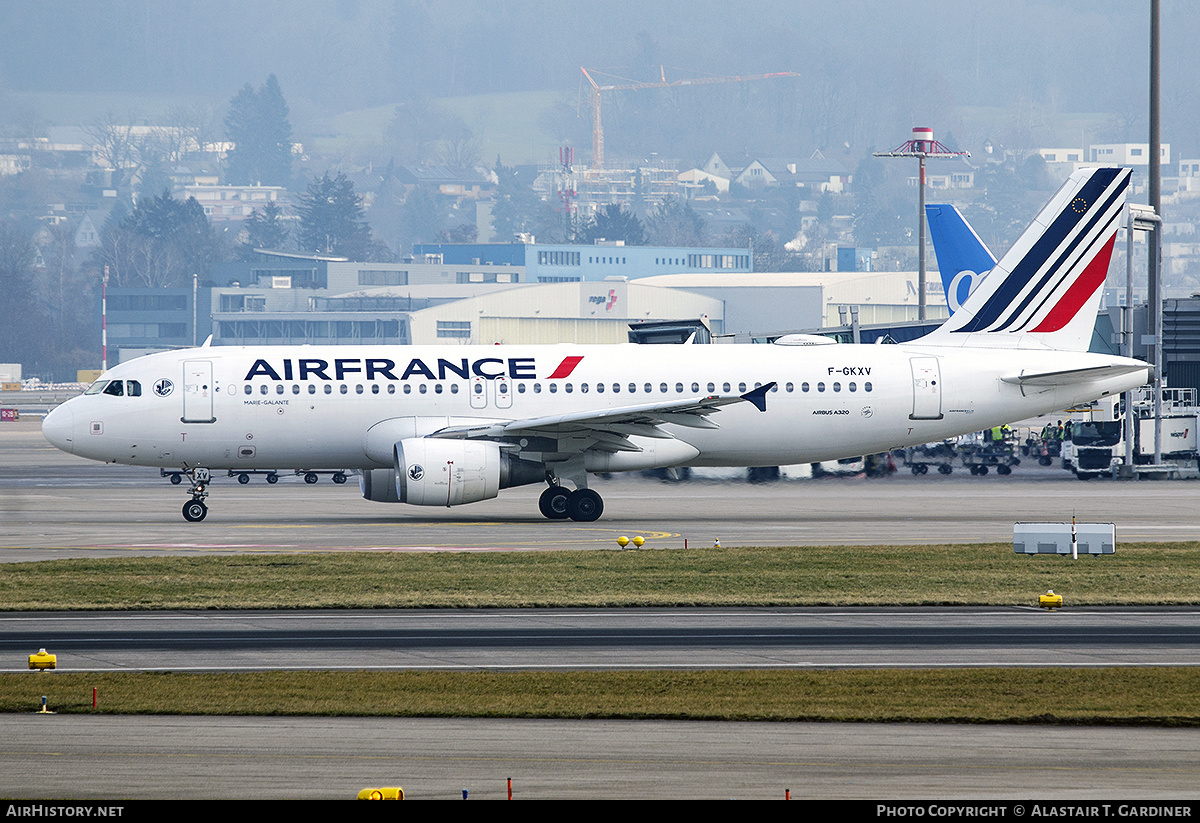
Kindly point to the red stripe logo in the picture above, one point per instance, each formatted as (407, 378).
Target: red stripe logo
(1078, 292)
(565, 368)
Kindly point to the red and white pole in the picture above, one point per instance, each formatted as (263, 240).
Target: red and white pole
(104, 322)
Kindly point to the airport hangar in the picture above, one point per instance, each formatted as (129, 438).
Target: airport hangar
(297, 299)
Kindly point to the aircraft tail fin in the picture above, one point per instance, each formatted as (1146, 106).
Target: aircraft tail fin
(963, 258)
(1044, 293)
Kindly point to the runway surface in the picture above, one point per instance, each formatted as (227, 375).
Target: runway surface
(594, 639)
(261, 758)
(54, 505)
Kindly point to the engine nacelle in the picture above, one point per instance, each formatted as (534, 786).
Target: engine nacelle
(434, 472)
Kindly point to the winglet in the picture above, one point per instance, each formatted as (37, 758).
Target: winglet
(759, 396)
(207, 343)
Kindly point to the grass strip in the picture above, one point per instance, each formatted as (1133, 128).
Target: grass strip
(1118, 696)
(977, 574)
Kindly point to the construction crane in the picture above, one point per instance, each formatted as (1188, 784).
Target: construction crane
(598, 129)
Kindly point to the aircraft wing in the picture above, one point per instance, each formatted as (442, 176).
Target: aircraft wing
(1067, 377)
(610, 429)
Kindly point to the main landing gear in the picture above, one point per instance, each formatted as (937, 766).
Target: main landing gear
(194, 510)
(582, 505)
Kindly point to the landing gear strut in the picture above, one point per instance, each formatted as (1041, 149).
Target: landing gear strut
(195, 510)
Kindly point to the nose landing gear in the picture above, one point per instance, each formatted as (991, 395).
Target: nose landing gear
(195, 510)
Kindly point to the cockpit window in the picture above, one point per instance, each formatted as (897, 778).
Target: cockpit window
(116, 388)
(96, 387)
(133, 388)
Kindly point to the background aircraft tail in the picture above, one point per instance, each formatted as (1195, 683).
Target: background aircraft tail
(1044, 293)
(963, 259)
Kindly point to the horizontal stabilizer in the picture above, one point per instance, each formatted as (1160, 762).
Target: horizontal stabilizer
(1067, 377)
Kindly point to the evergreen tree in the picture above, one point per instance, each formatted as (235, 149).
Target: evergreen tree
(675, 223)
(162, 242)
(332, 222)
(257, 125)
(614, 222)
(515, 206)
(264, 230)
(20, 314)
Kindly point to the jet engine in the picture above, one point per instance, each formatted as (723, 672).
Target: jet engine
(436, 472)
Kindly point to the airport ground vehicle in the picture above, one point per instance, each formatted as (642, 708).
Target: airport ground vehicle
(1095, 444)
(941, 455)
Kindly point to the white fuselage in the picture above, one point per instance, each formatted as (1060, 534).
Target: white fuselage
(314, 407)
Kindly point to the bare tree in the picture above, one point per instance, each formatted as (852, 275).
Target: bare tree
(113, 141)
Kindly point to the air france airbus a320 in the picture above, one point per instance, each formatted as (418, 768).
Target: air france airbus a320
(444, 426)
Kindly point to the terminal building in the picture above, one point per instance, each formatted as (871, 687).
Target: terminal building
(550, 263)
(289, 299)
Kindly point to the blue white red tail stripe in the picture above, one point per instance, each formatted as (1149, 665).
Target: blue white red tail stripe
(1043, 293)
(1083, 221)
(1101, 224)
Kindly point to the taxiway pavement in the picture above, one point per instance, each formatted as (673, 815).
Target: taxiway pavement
(55, 505)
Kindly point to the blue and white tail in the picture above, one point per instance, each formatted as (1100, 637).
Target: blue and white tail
(1044, 293)
(963, 258)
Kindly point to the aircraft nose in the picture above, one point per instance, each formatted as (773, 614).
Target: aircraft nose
(59, 427)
